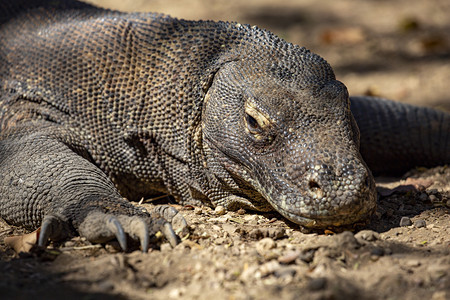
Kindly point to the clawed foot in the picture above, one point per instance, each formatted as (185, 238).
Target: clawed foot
(99, 227)
(174, 217)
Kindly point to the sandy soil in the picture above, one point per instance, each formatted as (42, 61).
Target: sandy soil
(396, 49)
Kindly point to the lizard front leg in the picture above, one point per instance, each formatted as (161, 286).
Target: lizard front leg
(44, 183)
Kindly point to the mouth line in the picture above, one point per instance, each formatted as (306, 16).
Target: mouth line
(322, 221)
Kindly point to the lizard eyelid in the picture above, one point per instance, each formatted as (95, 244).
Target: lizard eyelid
(252, 124)
(256, 122)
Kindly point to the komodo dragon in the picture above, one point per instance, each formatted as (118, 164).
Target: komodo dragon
(97, 105)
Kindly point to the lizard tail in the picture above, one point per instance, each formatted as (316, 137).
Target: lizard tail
(396, 137)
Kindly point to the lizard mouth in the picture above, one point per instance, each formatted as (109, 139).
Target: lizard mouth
(318, 216)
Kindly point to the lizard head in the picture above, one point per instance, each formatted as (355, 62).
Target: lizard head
(280, 136)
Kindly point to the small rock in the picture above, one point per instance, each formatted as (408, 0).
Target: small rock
(269, 268)
(176, 293)
(423, 197)
(433, 198)
(317, 284)
(105, 286)
(264, 245)
(420, 223)
(241, 211)
(285, 272)
(307, 256)
(437, 271)
(346, 239)
(405, 221)
(277, 232)
(220, 210)
(289, 257)
(377, 251)
(248, 273)
(255, 234)
(249, 218)
(439, 295)
(69, 243)
(229, 228)
(166, 247)
(413, 263)
(367, 235)
(219, 241)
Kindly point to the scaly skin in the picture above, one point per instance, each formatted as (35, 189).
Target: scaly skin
(97, 104)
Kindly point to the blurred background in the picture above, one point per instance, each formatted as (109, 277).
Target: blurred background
(398, 49)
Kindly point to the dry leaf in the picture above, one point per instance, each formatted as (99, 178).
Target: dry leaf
(419, 183)
(24, 242)
(410, 184)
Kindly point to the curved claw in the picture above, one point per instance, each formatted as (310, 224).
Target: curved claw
(169, 234)
(53, 228)
(138, 229)
(115, 227)
(46, 231)
(144, 236)
(99, 227)
(174, 217)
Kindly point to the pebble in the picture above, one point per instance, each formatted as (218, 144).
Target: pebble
(367, 235)
(220, 210)
(241, 211)
(269, 268)
(229, 228)
(405, 221)
(437, 271)
(420, 223)
(423, 197)
(219, 241)
(165, 247)
(377, 251)
(105, 286)
(275, 233)
(307, 256)
(346, 239)
(285, 272)
(433, 198)
(249, 218)
(289, 257)
(439, 295)
(248, 273)
(317, 284)
(413, 263)
(265, 244)
(69, 243)
(176, 293)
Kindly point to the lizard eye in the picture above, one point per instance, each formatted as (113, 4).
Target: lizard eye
(252, 124)
(256, 122)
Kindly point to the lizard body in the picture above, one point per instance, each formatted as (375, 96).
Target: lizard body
(96, 105)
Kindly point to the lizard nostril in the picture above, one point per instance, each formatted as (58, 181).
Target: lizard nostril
(315, 189)
(313, 186)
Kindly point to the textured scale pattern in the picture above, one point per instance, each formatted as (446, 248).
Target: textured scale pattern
(96, 105)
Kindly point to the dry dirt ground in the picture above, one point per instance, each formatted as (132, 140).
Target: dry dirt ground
(396, 49)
